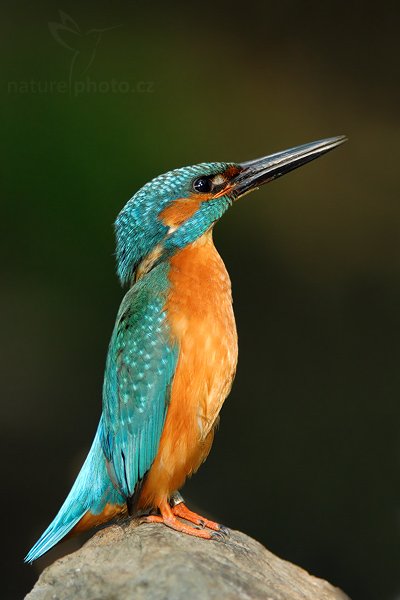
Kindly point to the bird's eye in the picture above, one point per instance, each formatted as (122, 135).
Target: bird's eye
(202, 185)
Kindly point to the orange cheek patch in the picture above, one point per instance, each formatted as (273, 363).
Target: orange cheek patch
(180, 211)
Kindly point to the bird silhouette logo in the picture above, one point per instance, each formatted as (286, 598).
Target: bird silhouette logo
(82, 44)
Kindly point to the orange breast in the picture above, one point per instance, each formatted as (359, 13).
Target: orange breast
(200, 314)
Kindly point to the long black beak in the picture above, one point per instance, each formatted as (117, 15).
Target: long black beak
(256, 172)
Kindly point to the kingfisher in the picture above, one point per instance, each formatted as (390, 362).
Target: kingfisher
(173, 351)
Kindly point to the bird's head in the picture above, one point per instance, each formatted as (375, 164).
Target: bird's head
(176, 208)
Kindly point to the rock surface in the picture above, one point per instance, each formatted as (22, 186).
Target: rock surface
(152, 562)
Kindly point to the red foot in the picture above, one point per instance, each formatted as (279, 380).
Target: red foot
(182, 511)
(169, 517)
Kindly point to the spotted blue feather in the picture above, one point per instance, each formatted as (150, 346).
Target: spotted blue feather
(139, 371)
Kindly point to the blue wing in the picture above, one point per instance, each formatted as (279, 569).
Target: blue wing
(140, 367)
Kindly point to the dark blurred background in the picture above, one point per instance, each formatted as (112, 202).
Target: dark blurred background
(307, 457)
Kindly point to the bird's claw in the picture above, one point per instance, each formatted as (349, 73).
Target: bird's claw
(224, 531)
(219, 536)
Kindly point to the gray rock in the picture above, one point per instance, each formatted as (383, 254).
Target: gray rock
(152, 562)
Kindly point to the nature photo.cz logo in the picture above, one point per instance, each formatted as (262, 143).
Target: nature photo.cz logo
(82, 46)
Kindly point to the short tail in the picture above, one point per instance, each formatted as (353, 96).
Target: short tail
(91, 496)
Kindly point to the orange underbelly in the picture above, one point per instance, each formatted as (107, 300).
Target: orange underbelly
(200, 314)
(90, 520)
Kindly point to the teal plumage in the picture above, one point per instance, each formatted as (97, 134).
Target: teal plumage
(140, 366)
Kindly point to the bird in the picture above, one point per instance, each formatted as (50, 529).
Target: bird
(173, 352)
